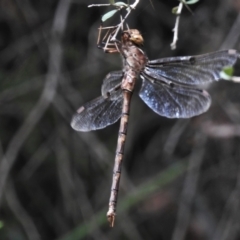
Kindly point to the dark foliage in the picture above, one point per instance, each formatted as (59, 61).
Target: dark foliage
(55, 182)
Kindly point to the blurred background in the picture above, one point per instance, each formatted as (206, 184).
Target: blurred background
(181, 178)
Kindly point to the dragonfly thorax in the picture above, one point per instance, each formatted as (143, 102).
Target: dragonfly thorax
(133, 56)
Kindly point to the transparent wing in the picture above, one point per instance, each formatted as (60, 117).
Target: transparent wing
(98, 113)
(104, 110)
(192, 70)
(110, 82)
(172, 100)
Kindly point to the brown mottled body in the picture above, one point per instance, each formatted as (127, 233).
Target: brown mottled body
(134, 61)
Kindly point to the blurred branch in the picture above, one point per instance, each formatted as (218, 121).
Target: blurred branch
(1, 150)
(228, 226)
(129, 227)
(20, 213)
(37, 158)
(99, 150)
(189, 188)
(203, 213)
(32, 19)
(45, 99)
(73, 188)
(174, 136)
(140, 194)
(233, 35)
(25, 43)
(221, 130)
(19, 90)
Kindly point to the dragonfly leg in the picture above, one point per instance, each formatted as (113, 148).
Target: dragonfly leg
(108, 50)
(109, 46)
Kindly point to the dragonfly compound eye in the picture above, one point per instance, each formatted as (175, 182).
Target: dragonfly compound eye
(134, 36)
(138, 40)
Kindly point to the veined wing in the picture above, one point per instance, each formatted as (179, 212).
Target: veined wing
(104, 110)
(110, 82)
(172, 100)
(98, 113)
(191, 70)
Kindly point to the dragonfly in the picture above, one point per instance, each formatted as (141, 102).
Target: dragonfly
(169, 87)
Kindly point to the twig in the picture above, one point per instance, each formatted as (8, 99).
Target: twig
(129, 8)
(100, 5)
(175, 29)
(120, 26)
(235, 79)
(109, 4)
(133, 6)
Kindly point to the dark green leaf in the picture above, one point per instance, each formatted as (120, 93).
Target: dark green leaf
(227, 73)
(174, 10)
(1, 224)
(190, 1)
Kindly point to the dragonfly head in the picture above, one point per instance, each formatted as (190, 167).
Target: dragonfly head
(134, 36)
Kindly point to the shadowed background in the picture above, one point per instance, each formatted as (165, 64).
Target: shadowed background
(181, 178)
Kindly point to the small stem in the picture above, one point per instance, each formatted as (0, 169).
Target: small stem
(175, 29)
(235, 79)
(99, 5)
(133, 6)
(129, 8)
(119, 26)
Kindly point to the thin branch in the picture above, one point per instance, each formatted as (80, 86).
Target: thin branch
(134, 5)
(174, 136)
(232, 38)
(120, 25)
(235, 79)
(128, 8)
(100, 5)
(175, 29)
